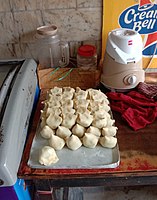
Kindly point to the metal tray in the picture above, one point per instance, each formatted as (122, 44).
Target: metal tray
(83, 158)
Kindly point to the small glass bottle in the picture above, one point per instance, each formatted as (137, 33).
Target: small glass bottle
(87, 57)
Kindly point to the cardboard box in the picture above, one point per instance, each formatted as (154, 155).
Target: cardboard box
(73, 77)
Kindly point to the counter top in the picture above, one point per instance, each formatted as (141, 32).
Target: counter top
(138, 164)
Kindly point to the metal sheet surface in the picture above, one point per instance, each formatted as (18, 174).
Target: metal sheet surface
(15, 121)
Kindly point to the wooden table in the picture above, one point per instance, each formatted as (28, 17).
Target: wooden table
(138, 162)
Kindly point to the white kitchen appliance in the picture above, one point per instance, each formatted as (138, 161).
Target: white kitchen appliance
(18, 86)
(122, 65)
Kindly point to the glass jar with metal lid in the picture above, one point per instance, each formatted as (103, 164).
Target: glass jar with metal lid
(51, 51)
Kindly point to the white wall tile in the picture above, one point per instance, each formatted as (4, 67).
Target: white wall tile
(76, 25)
(7, 51)
(19, 50)
(26, 23)
(5, 5)
(19, 5)
(89, 3)
(8, 30)
(59, 4)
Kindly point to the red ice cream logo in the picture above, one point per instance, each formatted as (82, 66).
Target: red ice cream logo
(144, 4)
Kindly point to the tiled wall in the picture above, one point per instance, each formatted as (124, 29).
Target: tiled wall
(77, 21)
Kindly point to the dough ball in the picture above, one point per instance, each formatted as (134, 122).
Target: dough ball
(56, 142)
(73, 142)
(92, 92)
(97, 95)
(100, 114)
(82, 110)
(108, 141)
(84, 119)
(46, 132)
(77, 89)
(67, 103)
(47, 156)
(67, 110)
(54, 97)
(94, 130)
(81, 103)
(63, 132)
(53, 110)
(68, 90)
(78, 130)
(56, 91)
(43, 122)
(110, 122)
(109, 131)
(53, 104)
(43, 113)
(80, 94)
(67, 95)
(97, 105)
(105, 107)
(53, 121)
(100, 97)
(99, 123)
(69, 120)
(89, 140)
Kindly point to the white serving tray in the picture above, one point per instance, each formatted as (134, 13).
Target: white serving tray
(83, 158)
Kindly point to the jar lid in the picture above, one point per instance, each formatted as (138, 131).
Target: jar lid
(47, 30)
(86, 50)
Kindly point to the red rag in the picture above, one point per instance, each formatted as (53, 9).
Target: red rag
(149, 90)
(135, 108)
(139, 96)
(138, 120)
(131, 99)
(118, 106)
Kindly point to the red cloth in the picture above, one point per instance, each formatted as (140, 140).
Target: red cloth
(136, 108)
(149, 90)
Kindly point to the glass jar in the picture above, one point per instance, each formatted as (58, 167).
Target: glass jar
(51, 51)
(87, 57)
